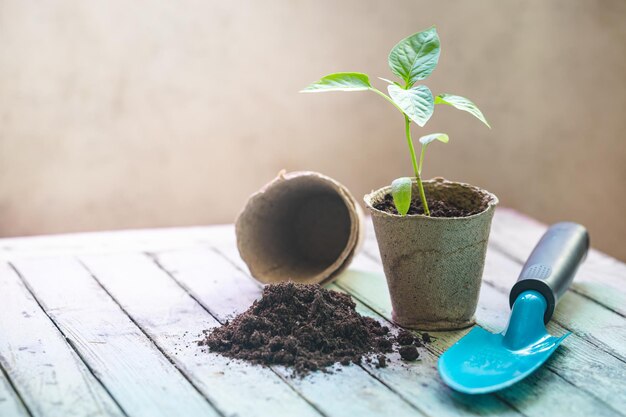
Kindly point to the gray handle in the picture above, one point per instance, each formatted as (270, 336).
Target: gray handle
(552, 265)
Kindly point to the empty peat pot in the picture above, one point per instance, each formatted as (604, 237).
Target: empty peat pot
(434, 265)
(302, 226)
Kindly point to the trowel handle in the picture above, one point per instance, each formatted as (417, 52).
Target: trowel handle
(552, 265)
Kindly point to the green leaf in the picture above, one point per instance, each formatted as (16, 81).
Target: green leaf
(340, 81)
(441, 137)
(462, 103)
(414, 58)
(416, 102)
(401, 192)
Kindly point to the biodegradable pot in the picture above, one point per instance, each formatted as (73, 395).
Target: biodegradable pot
(434, 265)
(302, 226)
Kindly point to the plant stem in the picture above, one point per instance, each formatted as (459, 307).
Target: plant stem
(386, 97)
(420, 186)
(416, 168)
(421, 165)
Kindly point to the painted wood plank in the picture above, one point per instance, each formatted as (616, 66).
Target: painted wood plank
(10, 403)
(104, 242)
(591, 321)
(50, 377)
(601, 277)
(138, 376)
(420, 384)
(215, 283)
(608, 368)
(578, 362)
(175, 322)
(416, 382)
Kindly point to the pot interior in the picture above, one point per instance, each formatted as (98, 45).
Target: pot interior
(297, 229)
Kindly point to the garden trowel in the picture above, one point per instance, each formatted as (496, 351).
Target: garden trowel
(483, 362)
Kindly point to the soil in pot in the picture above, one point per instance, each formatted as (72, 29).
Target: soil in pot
(306, 327)
(438, 208)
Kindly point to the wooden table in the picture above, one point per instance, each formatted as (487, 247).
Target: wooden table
(106, 324)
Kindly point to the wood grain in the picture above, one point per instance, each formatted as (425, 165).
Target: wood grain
(50, 377)
(417, 382)
(600, 278)
(175, 322)
(10, 403)
(213, 281)
(146, 364)
(563, 376)
(592, 321)
(138, 376)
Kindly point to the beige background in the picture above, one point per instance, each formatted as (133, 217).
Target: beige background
(123, 114)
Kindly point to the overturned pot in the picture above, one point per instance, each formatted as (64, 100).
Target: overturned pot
(434, 265)
(302, 226)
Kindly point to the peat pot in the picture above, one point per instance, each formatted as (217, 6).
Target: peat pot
(434, 265)
(302, 226)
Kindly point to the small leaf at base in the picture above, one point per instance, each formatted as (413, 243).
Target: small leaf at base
(441, 137)
(401, 193)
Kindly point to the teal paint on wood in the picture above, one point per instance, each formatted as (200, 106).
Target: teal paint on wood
(138, 376)
(50, 377)
(175, 322)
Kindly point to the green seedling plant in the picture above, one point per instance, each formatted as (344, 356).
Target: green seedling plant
(412, 59)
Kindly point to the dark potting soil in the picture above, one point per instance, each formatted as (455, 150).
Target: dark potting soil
(305, 327)
(409, 353)
(405, 338)
(438, 208)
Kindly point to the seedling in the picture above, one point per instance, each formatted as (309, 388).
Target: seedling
(412, 59)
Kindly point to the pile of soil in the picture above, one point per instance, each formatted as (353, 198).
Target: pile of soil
(438, 208)
(308, 328)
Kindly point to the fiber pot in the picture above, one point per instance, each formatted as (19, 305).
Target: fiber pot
(434, 265)
(302, 226)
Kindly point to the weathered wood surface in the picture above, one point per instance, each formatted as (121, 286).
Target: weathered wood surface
(349, 392)
(51, 379)
(138, 376)
(175, 321)
(10, 403)
(107, 324)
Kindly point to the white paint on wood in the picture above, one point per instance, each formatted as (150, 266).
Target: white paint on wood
(419, 381)
(591, 360)
(136, 374)
(580, 315)
(10, 403)
(352, 391)
(175, 322)
(600, 277)
(365, 279)
(50, 377)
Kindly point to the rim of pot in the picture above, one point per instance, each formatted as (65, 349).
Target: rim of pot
(343, 258)
(373, 196)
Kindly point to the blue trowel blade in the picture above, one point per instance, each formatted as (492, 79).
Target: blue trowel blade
(483, 362)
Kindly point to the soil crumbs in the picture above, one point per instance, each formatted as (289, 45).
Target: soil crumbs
(437, 208)
(308, 328)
